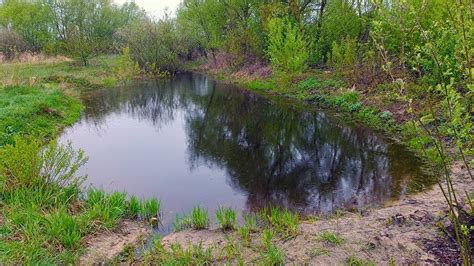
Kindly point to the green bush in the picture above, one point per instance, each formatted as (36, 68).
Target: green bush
(287, 48)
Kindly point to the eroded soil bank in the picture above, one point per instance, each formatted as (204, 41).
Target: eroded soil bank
(403, 232)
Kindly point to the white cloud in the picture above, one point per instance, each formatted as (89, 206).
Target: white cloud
(155, 8)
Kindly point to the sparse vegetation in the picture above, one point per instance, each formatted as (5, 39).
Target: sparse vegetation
(331, 238)
(200, 218)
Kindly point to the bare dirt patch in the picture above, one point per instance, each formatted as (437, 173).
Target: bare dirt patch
(105, 246)
(402, 232)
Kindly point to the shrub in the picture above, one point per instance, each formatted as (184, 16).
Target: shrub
(47, 175)
(11, 43)
(287, 48)
(226, 218)
(153, 45)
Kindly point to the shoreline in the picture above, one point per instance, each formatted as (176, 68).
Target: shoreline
(404, 231)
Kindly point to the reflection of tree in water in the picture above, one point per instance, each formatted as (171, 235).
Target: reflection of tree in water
(291, 158)
(271, 151)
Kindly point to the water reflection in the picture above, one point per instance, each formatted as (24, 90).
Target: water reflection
(189, 137)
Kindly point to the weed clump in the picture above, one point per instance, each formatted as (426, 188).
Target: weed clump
(226, 218)
(283, 221)
(200, 218)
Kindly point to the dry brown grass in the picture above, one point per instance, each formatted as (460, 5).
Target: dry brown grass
(34, 58)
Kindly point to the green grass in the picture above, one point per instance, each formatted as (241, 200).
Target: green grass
(200, 218)
(331, 238)
(177, 255)
(283, 221)
(227, 218)
(45, 214)
(314, 83)
(35, 111)
(353, 260)
(272, 255)
(97, 74)
(182, 223)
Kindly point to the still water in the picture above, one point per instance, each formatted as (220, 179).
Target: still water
(193, 141)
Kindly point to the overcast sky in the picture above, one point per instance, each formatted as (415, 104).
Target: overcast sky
(155, 7)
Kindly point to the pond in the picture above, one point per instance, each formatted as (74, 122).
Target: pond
(193, 141)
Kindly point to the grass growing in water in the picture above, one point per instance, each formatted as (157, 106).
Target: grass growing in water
(198, 219)
(226, 218)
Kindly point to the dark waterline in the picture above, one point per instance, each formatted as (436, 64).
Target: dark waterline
(193, 141)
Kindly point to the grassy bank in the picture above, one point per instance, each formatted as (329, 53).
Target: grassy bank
(37, 111)
(63, 72)
(384, 108)
(45, 215)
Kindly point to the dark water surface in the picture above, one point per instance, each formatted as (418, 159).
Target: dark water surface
(192, 141)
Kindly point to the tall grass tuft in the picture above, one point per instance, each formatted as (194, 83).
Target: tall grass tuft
(200, 218)
(272, 255)
(133, 209)
(283, 221)
(64, 228)
(226, 218)
(150, 209)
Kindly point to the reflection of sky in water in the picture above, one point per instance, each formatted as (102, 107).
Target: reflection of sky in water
(191, 141)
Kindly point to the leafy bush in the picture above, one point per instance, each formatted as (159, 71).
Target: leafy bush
(153, 45)
(226, 218)
(343, 55)
(11, 43)
(287, 48)
(26, 166)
